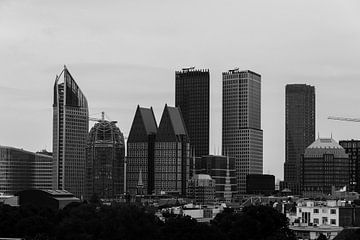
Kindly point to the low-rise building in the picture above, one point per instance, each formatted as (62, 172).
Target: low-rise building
(201, 189)
(327, 217)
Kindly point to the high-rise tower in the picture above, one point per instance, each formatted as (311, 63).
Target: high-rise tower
(141, 151)
(70, 131)
(172, 153)
(105, 155)
(299, 130)
(242, 136)
(192, 96)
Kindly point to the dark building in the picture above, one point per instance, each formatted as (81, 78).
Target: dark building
(53, 199)
(172, 153)
(202, 189)
(324, 165)
(105, 156)
(242, 136)
(70, 132)
(299, 130)
(192, 96)
(20, 170)
(222, 171)
(352, 148)
(141, 151)
(260, 184)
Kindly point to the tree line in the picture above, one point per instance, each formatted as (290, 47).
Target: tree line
(124, 221)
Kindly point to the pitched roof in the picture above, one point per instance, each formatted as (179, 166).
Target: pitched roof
(325, 143)
(149, 121)
(177, 120)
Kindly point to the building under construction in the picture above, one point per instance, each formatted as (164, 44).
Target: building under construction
(105, 155)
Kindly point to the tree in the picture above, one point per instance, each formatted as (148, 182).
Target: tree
(255, 222)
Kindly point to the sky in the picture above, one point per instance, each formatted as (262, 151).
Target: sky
(125, 52)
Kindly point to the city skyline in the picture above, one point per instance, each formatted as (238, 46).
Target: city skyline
(315, 47)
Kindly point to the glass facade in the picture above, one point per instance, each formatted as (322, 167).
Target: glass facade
(21, 170)
(192, 96)
(105, 155)
(70, 131)
(299, 129)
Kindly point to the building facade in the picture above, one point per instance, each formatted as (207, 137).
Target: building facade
(324, 165)
(242, 136)
(299, 130)
(21, 170)
(260, 184)
(352, 148)
(202, 189)
(222, 171)
(70, 132)
(172, 153)
(141, 151)
(105, 158)
(192, 96)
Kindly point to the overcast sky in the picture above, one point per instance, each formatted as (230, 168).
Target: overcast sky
(125, 52)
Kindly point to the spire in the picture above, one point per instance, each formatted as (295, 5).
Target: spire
(140, 181)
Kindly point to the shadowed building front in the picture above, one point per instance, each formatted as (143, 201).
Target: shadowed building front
(141, 151)
(299, 130)
(105, 155)
(192, 96)
(70, 131)
(172, 153)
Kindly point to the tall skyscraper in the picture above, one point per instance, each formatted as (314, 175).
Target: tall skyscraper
(105, 156)
(70, 131)
(141, 151)
(192, 96)
(242, 136)
(299, 130)
(172, 153)
(352, 148)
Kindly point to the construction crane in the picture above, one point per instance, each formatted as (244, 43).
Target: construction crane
(344, 119)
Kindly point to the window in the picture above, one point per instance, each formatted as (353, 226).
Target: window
(324, 220)
(316, 221)
(316, 210)
(332, 221)
(332, 211)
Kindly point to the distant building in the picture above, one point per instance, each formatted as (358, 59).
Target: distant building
(105, 156)
(242, 136)
(352, 148)
(299, 130)
(327, 217)
(172, 153)
(202, 189)
(324, 165)
(192, 96)
(53, 199)
(222, 170)
(20, 170)
(260, 184)
(141, 151)
(70, 131)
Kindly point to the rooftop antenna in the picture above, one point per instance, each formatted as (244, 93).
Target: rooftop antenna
(102, 116)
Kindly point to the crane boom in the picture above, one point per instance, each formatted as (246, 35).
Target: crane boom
(344, 119)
